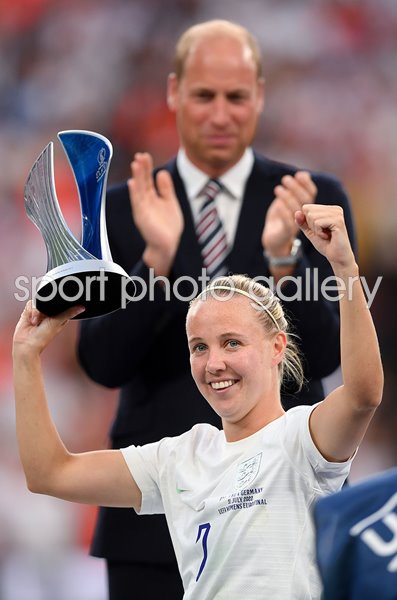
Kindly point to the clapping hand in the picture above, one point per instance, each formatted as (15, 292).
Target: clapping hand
(157, 213)
(280, 227)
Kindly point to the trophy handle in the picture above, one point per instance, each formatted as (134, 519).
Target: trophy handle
(89, 156)
(42, 208)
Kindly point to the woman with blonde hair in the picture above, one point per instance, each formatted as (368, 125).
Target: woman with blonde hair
(238, 501)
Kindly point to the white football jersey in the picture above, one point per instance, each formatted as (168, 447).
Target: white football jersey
(239, 513)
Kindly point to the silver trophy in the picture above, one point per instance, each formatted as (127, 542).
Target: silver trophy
(77, 273)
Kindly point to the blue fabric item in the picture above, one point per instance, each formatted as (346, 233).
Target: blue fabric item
(356, 540)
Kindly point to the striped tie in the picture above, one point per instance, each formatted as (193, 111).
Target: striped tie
(210, 233)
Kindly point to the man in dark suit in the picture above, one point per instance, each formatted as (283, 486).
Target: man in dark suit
(217, 94)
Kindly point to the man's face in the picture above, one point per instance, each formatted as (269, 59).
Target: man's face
(217, 103)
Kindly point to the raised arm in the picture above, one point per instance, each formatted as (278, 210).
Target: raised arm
(339, 423)
(314, 315)
(100, 477)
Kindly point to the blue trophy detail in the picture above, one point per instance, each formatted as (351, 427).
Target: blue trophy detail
(77, 273)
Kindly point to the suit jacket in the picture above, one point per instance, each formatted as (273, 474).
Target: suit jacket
(142, 349)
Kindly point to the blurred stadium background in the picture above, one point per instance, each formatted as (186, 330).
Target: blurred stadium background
(331, 77)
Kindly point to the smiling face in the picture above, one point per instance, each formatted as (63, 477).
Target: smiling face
(217, 102)
(235, 364)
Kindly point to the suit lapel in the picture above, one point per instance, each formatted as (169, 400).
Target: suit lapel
(188, 257)
(257, 198)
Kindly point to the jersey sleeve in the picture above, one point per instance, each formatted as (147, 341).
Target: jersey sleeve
(303, 453)
(143, 463)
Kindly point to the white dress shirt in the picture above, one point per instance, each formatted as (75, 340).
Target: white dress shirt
(229, 200)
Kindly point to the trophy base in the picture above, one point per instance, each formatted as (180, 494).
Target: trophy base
(100, 286)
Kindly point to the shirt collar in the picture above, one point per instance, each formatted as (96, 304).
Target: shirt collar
(233, 180)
